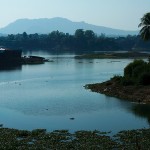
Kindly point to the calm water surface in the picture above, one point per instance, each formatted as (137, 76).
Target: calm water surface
(48, 95)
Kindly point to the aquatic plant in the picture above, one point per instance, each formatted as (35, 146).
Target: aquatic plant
(63, 139)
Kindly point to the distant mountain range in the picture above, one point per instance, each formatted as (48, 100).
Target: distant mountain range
(44, 26)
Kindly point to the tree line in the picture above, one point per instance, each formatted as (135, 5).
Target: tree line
(82, 40)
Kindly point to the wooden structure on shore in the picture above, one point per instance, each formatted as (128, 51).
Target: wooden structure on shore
(13, 58)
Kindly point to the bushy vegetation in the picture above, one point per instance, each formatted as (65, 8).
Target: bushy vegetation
(82, 40)
(136, 73)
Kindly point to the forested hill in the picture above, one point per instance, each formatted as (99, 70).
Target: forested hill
(82, 40)
(45, 26)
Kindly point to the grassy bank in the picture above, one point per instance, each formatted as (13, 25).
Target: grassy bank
(113, 55)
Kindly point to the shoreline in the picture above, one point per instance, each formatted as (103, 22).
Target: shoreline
(63, 139)
(139, 94)
(114, 55)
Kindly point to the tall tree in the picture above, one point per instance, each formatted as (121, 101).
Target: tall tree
(79, 33)
(145, 24)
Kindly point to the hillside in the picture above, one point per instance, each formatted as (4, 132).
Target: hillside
(44, 26)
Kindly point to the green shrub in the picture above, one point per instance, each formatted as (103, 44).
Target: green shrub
(127, 81)
(130, 68)
(117, 78)
(144, 79)
(135, 73)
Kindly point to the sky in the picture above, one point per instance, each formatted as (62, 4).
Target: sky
(118, 14)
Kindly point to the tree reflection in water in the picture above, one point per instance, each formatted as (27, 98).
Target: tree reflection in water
(142, 110)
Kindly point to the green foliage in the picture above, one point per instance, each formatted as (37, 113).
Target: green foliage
(117, 78)
(145, 24)
(137, 72)
(79, 33)
(133, 69)
(144, 78)
(126, 81)
(82, 40)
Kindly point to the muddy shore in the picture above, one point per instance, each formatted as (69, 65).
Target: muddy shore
(140, 94)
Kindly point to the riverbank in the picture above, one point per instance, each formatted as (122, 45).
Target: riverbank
(139, 94)
(63, 139)
(114, 55)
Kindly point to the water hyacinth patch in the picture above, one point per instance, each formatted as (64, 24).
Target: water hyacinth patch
(63, 139)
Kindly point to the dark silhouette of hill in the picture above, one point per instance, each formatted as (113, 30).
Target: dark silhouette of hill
(44, 26)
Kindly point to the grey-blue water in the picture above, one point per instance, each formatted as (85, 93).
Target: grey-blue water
(48, 95)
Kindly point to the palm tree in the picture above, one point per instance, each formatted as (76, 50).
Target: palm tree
(145, 24)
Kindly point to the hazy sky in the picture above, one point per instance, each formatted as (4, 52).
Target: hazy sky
(120, 14)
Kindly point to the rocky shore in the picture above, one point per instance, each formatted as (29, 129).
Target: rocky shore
(140, 94)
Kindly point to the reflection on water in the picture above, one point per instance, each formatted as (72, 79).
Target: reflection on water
(47, 95)
(142, 110)
(9, 67)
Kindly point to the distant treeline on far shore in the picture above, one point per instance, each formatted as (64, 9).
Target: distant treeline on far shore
(80, 41)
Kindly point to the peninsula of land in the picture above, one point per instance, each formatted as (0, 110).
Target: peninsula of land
(134, 85)
(139, 93)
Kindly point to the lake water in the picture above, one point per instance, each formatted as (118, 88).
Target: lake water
(48, 95)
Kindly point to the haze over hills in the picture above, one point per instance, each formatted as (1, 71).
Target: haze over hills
(44, 26)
